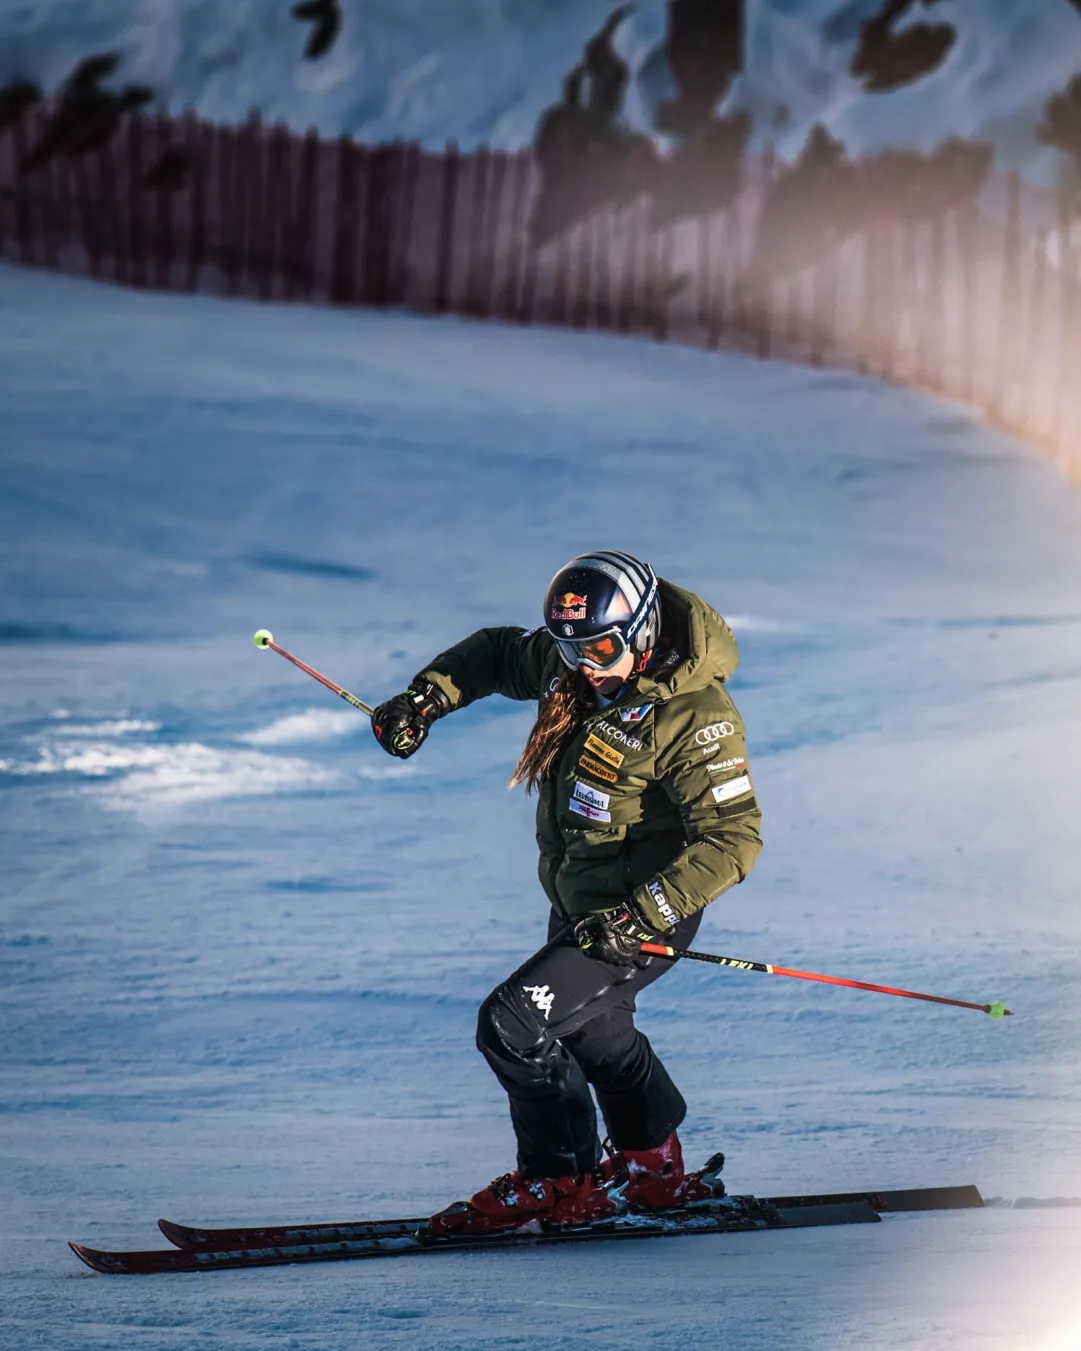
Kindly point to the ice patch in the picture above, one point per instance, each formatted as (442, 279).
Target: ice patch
(117, 728)
(755, 624)
(314, 724)
(143, 776)
(170, 776)
(394, 770)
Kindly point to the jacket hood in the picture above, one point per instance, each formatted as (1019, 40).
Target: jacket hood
(704, 646)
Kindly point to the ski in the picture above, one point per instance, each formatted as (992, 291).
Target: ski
(291, 1235)
(730, 1215)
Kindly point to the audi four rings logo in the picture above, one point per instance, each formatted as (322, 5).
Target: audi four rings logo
(706, 736)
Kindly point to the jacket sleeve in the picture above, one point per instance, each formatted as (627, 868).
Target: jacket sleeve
(507, 661)
(711, 786)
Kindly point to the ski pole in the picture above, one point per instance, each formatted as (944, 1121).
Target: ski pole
(997, 1010)
(264, 638)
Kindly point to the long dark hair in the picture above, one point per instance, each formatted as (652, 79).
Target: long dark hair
(569, 701)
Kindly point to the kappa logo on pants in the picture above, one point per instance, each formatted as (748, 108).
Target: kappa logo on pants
(541, 996)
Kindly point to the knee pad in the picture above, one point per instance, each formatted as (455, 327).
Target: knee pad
(505, 1026)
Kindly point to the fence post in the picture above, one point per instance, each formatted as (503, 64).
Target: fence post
(583, 279)
(518, 241)
(1067, 284)
(22, 226)
(660, 281)
(478, 173)
(301, 262)
(343, 265)
(88, 220)
(136, 202)
(252, 224)
(230, 206)
(628, 281)
(409, 171)
(602, 254)
(497, 174)
(1035, 330)
(195, 142)
(445, 259)
(560, 276)
(274, 205)
(164, 244)
(1005, 331)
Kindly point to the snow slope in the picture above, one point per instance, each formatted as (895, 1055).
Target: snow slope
(485, 70)
(241, 949)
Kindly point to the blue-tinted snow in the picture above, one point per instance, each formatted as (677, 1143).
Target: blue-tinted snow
(241, 949)
(485, 70)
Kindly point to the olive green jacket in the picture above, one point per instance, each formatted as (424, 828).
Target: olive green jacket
(651, 798)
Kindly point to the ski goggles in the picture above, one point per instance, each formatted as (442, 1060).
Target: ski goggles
(598, 652)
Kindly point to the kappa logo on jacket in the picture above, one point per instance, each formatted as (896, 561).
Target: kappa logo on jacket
(541, 996)
(663, 904)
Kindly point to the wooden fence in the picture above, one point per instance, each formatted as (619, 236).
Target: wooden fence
(979, 302)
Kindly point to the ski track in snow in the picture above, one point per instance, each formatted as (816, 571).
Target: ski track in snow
(241, 950)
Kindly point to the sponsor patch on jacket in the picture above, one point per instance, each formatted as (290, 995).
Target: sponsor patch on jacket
(584, 809)
(724, 792)
(716, 731)
(661, 901)
(599, 771)
(634, 714)
(593, 797)
(618, 734)
(607, 753)
(722, 765)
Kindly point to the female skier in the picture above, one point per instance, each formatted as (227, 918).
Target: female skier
(646, 813)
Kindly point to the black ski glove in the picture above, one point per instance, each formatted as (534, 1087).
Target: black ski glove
(614, 935)
(402, 723)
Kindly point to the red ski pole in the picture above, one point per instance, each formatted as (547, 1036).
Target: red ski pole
(996, 1010)
(264, 638)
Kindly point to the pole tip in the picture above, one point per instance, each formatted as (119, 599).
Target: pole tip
(263, 637)
(998, 1010)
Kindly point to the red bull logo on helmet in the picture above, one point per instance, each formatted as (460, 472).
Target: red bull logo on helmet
(569, 606)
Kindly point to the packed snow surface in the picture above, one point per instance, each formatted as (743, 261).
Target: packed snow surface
(241, 949)
(485, 70)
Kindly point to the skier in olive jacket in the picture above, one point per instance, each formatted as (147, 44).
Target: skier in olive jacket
(646, 812)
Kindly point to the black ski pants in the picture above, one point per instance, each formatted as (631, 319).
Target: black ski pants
(562, 1022)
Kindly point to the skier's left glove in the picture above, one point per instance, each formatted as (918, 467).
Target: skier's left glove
(402, 723)
(614, 935)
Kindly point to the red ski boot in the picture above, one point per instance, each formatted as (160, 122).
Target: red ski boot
(657, 1180)
(512, 1201)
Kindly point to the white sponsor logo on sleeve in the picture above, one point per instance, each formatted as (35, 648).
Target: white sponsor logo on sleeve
(733, 788)
(717, 731)
(664, 905)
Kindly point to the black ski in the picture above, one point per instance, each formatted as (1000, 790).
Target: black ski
(291, 1235)
(732, 1215)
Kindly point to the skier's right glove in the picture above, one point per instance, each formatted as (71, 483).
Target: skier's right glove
(614, 935)
(402, 723)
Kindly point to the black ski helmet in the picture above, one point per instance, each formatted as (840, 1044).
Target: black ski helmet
(599, 605)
